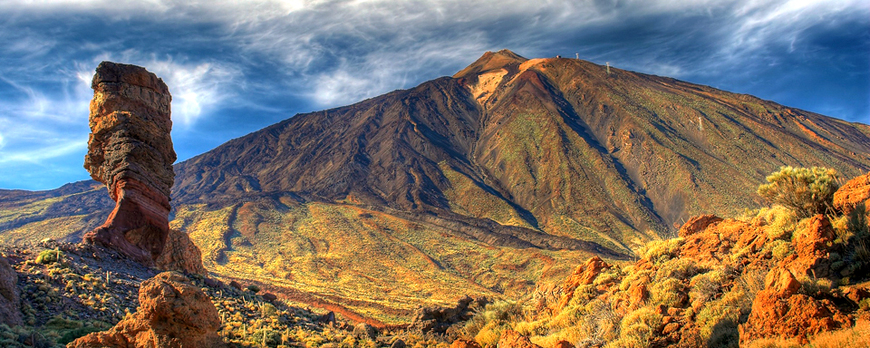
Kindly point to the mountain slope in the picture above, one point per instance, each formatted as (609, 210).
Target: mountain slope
(485, 182)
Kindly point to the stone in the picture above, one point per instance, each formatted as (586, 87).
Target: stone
(130, 151)
(172, 313)
(512, 339)
(697, 224)
(460, 343)
(268, 296)
(180, 254)
(811, 244)
(779, 311)
(398, 343)
(852, 194)
(10, 305)
(563, 344)
(440, 319)
(363, 330)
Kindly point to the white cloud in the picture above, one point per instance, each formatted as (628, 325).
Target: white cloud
(196, 87)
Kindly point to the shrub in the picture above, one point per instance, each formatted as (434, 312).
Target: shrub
(780, 249)
(780, 222)
(677, 268)
(637, 328)
(661, 250)
(48, 257)
(807, 191)
(669, 292)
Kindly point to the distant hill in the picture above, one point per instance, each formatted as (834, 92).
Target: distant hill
(482, 183)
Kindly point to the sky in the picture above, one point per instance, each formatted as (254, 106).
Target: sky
(234, 67)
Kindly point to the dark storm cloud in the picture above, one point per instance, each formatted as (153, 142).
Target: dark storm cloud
(234, 67)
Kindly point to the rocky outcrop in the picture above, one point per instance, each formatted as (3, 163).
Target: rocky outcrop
(172, 313)
(439, 319)
(853, 193)
(512, 339)
(781, 311)
(811, 255)
(130, 151)
(180, 254)
(697, 224)
(10, 311)
(584, 274)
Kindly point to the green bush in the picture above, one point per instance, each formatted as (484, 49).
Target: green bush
(807, 191)
(48, 257)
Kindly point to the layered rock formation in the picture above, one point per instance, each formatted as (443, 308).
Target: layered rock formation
(172, 313)
(10, 313)
(130, 150)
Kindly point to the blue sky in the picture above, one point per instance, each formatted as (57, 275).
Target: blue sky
(234, 67)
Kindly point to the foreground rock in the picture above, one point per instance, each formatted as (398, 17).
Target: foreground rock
(130, 150)
(780, 311)
(440, 319)
(853, 193)
(10, 312)
(180, 254)
(513, 339)
(172, 313)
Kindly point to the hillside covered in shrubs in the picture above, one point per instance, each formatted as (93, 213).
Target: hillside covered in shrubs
(789, 275)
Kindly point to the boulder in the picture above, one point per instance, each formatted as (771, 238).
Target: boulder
(10, 305)
(810, 259)
(460, 343)
(853, 193)
(512, 339)
(779, 311)
(440, 319)
(563, 344)
(697, 224)
(180, 254)
(365, 331)
(172, 313)
(584, 274)
(130, 151)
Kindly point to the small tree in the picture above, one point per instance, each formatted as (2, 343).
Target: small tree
(807, 191)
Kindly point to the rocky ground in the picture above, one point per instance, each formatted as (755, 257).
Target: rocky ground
(69, 290)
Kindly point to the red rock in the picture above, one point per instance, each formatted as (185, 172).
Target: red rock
(512, 339)
(697, 224)
(779, 311)
(460, 343)
(10, 310)
(130, 150)
(563, 344)
(172, 313)
(853, 193)
(584, 274)
(180, 254)
(811, 249)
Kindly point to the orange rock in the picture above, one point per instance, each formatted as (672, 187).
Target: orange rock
(563, 344)
(697, 224)
(513, 339)
(460, 343)
(180, 254)
(584, 274)
(779, 311)
(853, 193)
(130, 150)
(172, 313)
(811, 249)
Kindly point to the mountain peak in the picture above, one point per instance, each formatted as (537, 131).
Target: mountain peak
(503, 59)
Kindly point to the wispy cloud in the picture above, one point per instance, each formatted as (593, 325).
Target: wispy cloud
(234, 66)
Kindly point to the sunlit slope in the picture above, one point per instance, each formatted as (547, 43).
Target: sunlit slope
(357, 260)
